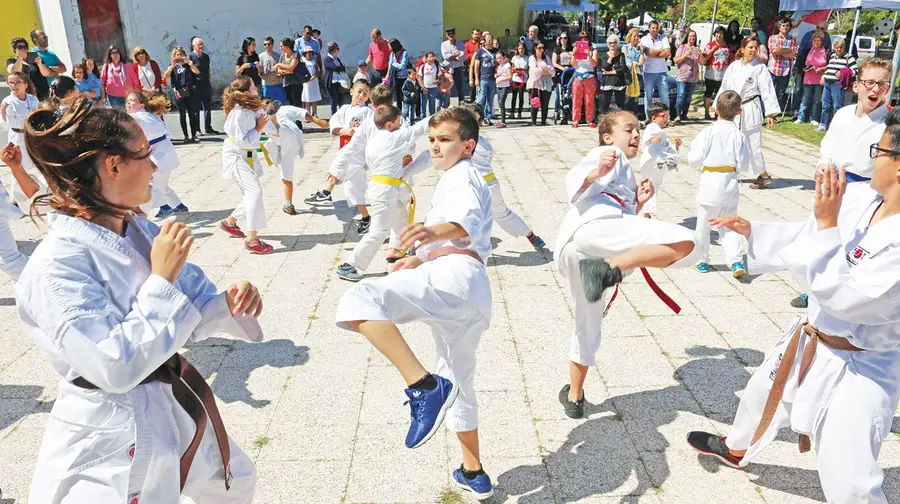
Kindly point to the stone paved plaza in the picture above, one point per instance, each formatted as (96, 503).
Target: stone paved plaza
(321, 413)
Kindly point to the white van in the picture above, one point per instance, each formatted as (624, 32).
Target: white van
(703, 32)
(865, 46)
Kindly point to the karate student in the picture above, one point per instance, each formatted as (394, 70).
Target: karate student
(445, 285)
(854, 128)
(146, 112)
(384, 155)
(750, 78)
(13, 111)
(355, 147)
(12, 261)
(834, 378)
(720, 151)
(109, 300)
(658, 153)
(244, 120)
(604, 199)
(343, 124)
(285, 144)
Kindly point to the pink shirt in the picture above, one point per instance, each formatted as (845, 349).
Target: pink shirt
(380, 52)
(815, 58)
(118, 79)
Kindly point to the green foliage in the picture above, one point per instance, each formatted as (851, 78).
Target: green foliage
(843, 21)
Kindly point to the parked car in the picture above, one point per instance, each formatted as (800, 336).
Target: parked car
(865, 45)
(673, 98)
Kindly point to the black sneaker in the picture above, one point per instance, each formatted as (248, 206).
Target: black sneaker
(363, 227)
(710, 444)
(597, 276)
(573, 409)
(319, 198)
(801, 301)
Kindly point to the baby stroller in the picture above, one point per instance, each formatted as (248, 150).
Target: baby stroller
(563, 112)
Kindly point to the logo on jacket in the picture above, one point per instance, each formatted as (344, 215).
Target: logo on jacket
(131, 451)
(775, 369)
(856, 255)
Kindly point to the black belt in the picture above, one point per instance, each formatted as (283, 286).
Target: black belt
(748, 100)
(186, 381)
(17, 130)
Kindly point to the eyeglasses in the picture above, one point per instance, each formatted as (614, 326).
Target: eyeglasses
(876, 151)
(22, 46)
(871, 84)
(15, 83)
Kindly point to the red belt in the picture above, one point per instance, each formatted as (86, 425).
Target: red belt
(449, 250)
(652, 283)
(344, 140)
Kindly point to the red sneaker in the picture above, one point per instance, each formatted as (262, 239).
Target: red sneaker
(258, 247)
(233, 231)
(574, 124)
(593, 125)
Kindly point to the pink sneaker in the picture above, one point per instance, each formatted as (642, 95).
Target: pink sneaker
(258, 247)
(501, 124)
(233, 231)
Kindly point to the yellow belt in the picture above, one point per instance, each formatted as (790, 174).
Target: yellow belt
(261, 148)
(397, 182)
(719, 169)
(490, 177)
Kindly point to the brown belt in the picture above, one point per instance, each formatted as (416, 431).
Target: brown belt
(450, 250)
(784, 369)
(186, 381)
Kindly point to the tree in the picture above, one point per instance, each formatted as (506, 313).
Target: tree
(767, 10)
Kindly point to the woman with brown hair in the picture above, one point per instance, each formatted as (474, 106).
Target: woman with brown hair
(146, 70)
(244, 122)
(184, 73)
(118, 78)
(110, 300)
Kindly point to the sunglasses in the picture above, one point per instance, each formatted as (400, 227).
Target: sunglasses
(113, 52)
(267, 44)
(876, 151)
(22, 46)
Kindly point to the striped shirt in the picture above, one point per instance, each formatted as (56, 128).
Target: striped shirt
(835, 64)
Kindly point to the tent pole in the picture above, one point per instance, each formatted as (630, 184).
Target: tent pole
(855, 26)
(684, 16)
(891, 39)
(895, 66)
(712, 27)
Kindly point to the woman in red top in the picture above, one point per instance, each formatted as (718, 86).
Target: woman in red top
(146, 70)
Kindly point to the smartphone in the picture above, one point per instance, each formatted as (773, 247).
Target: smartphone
(252, 65)
(31, 57)
(179, 60)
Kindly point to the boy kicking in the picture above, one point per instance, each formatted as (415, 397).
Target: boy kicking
(445, 285)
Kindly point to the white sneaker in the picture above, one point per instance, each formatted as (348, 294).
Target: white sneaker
(798, 121)
(821, 128)
(814, 123)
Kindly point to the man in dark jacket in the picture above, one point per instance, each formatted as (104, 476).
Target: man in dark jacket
(204, 87)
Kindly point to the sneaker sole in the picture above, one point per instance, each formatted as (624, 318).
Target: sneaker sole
(716, 455)
(347, 278)
(440, 419)
(479, 496)
(319, 203)
(739, 273)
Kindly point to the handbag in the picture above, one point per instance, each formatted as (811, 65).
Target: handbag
(535, 99)
(633, 88)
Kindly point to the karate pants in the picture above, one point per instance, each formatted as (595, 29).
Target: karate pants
(355, 188)
(606, 238)
(162, 193)
(509, 221)
(12, 262)
(848, 439)
(389, 215)
(456, 325)
(750, 121)
(730, 241)
(656, 173)
(250, 209)
(289, 149)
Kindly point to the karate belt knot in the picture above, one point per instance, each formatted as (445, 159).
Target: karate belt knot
(397, 182)
(196, 398)
(665, 298)
(261, 148)
(784, 370)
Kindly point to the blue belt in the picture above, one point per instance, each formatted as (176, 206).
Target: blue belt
(852, 177)
(158, 139)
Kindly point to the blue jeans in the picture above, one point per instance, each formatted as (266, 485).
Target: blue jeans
(781, 84)
(115, 102)
(444, 100)
(429, 95)
(274, 92)
(685, 92)
(832, 99)
(409, 111)
(655, 82)
(486, 92)
(810, 108)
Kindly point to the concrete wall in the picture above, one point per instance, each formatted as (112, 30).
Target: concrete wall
(495, 16)
(62, 24)
(161, 25)
(19, 18)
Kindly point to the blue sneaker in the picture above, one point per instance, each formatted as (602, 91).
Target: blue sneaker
(703, 267)
(181, 209)
(165, 211)
(801, 301)
(737, 270)
(427, 409)
(538, 243)
(479, 485)
(348, 272)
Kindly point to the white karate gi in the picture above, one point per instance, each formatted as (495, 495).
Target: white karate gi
(655, 158)
(451, 294)
(92, 306)
(16, 113)
(598, 226)
(353, 117)
(846, 144)
(240, 126)
(754, 84)
(384, 152)
(847, 400)
(718, 194)
(285, 143)
(163, 156)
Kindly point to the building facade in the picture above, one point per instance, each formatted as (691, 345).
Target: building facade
(495, 16)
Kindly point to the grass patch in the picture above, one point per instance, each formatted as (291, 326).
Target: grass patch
(449, 496)
(261, 441)
(805, 132)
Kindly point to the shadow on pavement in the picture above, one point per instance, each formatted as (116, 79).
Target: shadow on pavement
(19, 401)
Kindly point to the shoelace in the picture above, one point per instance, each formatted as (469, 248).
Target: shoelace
(415, 410)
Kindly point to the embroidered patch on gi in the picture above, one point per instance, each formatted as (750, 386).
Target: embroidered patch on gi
(355, 123)
(775, 369)
(133, 498)
(856, 255)
(750, 80)
(131, 451)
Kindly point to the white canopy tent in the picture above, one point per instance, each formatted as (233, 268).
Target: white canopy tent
(858, 5)
(559, 6)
